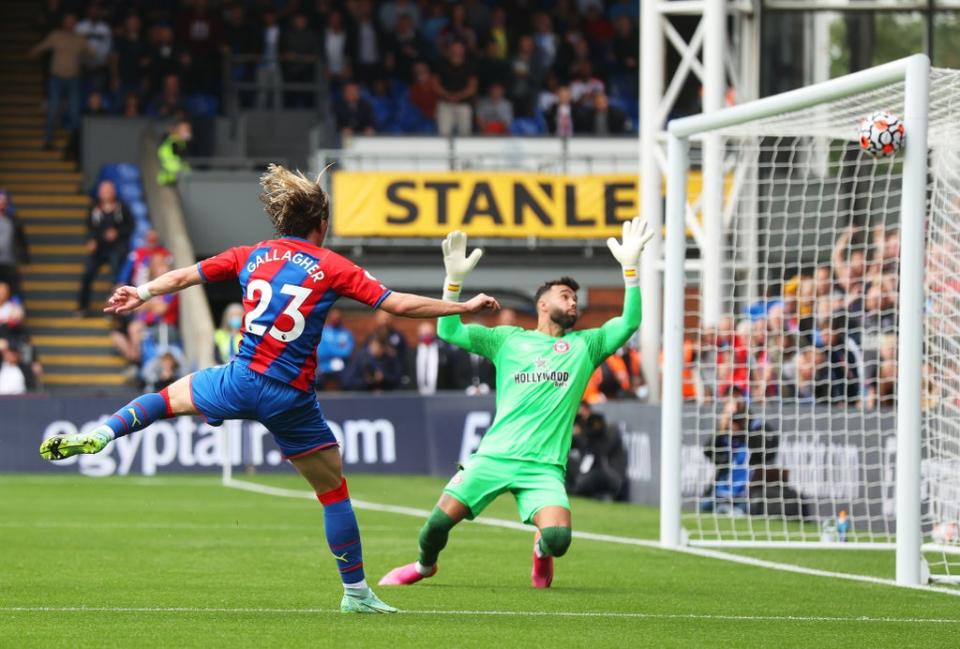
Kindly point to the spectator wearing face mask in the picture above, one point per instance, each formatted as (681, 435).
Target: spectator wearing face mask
(438, 366)
(226, 339)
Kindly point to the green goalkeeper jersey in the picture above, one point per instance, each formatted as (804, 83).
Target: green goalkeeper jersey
(540, 379)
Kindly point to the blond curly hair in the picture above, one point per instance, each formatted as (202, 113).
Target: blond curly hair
(295, 204)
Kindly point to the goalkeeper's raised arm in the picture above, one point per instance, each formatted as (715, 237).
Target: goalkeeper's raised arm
(615, 332)
(473, 338)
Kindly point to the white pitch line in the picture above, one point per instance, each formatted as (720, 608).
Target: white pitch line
(607, 538)
(467, 613)
(423, 513)
(88, 525)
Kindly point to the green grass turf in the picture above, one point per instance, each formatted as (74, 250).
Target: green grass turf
(188, 543)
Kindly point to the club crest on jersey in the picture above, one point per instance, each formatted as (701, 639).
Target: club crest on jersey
(561, 346)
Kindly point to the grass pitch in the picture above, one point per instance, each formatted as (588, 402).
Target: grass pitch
(184, 562)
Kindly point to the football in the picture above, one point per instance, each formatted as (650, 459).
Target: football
(882, 134)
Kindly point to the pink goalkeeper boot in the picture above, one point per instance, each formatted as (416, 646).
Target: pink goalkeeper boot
(542, 574)
(405, 575)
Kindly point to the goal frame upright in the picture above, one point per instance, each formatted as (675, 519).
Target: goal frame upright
(914, 72)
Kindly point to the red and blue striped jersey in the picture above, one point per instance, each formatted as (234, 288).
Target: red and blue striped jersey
(288, 285)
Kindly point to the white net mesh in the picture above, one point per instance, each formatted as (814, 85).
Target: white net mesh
(790, 427)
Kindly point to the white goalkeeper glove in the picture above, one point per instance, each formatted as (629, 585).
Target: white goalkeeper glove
(636, 234)
(456, 262)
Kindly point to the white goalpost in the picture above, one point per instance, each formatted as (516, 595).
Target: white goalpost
(823, 405)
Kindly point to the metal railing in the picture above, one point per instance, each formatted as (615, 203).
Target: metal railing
(233, 163)
(272, 91)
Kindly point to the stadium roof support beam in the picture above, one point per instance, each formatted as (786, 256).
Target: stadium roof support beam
(710, 57)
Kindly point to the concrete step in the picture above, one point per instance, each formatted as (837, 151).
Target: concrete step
(8, 153)
(80, 360)
(10, 177)
(70, 214)
(34, 118)
(15, 132)
(7, 165)
(43, 305)
(116, 380)
(33, 230)
(33, 188)
(10, 76)
(99, 324)
(53, 269)
(34, 99)
(25, 143)
(39, 285)
(71, 341)
(72, 200)
(48, 249)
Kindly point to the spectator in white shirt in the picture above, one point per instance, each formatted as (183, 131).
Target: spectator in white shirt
(269, 78)
(335, 46)
(586, 86)
(100, 39)
(12, 380)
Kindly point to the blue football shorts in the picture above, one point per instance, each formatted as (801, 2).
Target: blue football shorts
(234, 391)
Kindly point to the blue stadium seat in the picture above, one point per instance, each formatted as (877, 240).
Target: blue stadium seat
(409, 119)
(139, 211)
(129, 192)
(535, 125)
(203, 104)
(383, 111)
(524, 126)
(119, 173)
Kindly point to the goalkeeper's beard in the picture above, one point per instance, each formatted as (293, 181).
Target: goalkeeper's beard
(563, 319)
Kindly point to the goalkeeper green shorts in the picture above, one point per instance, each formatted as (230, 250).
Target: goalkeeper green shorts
(534, 485)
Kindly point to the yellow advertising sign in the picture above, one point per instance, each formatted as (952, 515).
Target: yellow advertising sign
(490, 204)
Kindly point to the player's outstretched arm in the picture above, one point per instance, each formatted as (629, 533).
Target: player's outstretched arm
(411, 305)
(615, 332)
(128, 298)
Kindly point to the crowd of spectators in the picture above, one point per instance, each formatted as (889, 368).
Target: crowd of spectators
(400, 66)
(474, 67)
(829, 336)
(149, 338)
(18, 371)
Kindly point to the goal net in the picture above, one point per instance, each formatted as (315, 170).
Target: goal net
(791, 336)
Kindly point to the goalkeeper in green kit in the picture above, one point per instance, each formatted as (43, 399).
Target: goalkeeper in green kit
(541, 375)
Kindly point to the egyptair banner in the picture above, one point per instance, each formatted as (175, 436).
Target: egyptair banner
(489, 204)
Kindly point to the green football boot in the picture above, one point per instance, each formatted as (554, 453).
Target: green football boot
(60, 447)
(363, 601)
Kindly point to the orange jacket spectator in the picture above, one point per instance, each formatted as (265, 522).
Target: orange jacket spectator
(689, 375)
(608, 380)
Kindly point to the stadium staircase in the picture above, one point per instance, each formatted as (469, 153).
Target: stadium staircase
(47, 192)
